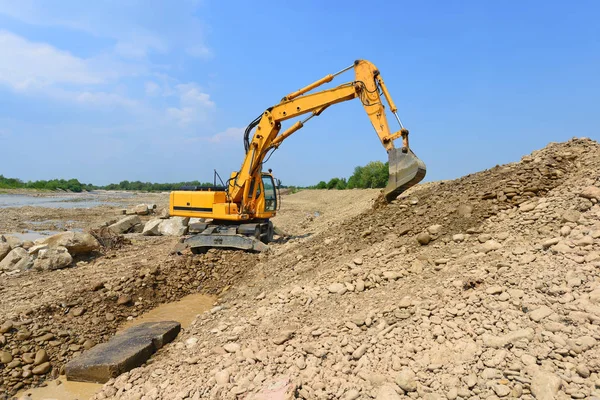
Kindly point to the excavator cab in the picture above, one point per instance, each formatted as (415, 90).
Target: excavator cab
(268, 184)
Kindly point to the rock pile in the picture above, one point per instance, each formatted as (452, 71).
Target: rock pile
(54, 252)
(483, 287)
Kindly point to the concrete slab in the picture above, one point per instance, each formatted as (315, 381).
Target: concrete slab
(123, 352)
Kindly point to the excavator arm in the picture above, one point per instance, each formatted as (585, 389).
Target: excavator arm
(406, 169)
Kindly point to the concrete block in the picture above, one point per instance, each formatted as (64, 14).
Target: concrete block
(123, 352)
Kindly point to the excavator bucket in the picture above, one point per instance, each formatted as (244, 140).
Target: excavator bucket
(406, 170)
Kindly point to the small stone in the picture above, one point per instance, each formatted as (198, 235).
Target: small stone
(337, 288)
(583, 371)
(502, 390)
(387, 392)
(465, 210)
(124, 299)
(540, 313)
(459, 237)
(490, 245)
(77, 311)
(5, 357)
(360, 351)
(222, 377)
(358, 261)
(550, 242)
(232, 347)
(545, 385)
(6, 326)
(591, 192)
(351, 394)
(40, 357)
(423, 238)
(41, 369)
(434, 229)
(484, 237)
(360, 285)
(283, 337)
(110, 317)
(452, 394)
(571, 216)
(406, 380)
(494, 290)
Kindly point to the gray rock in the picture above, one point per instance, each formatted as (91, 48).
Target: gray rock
(545, 385)
(406, 379)
(336, 287)
(176, 226)
(152, 227)
(14, 242)
(17, 259)
(423, 238)
(459, 237)
(540, 313)
(125, 225)
(465, 210)
(75, 242)
(434, 229)
(387, 392)
(571, 216)
(501, 341)
(52, 258)
(591, 192)
(4, 250)
(222, 377)
(490, 245)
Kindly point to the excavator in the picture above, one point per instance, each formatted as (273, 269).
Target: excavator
(237, 214)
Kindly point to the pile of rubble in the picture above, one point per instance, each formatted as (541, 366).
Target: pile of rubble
(487, 286)
(54, 252)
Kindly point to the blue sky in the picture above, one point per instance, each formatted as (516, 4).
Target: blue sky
(161, 90)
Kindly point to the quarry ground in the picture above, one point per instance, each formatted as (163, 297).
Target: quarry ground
(487, 286)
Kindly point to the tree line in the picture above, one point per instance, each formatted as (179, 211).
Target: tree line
(373, 175)
(74, 185)
(55, 184)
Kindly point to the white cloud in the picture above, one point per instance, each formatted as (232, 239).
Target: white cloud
(199, 51)
(26, 65)
(195, 105)
(151, 88)
(228, 135)
(139, 43)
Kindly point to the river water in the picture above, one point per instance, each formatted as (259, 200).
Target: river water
(67, 200)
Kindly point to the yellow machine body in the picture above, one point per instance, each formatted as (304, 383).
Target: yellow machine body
(249, 196)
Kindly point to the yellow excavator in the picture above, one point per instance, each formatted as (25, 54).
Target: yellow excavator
(236, 215)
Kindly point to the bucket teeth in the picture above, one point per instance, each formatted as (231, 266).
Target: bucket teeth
(406, 170)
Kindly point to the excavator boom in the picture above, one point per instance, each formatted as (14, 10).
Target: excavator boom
(243, 207)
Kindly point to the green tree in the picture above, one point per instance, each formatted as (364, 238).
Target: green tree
(322, 185)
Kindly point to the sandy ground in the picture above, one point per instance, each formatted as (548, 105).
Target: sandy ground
(149, 270)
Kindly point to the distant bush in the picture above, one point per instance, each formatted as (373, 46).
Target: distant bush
(373, 175)
(55, 184)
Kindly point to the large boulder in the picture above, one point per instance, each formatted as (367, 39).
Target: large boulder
(17, 259)
(14, 242)
(176, 226)
(75, 242)
(4, 250)
(125, 225)
(52, 258)
(152, 227)
(140, 209)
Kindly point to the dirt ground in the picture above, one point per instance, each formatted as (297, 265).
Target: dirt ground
(148, 270)
(487, 286)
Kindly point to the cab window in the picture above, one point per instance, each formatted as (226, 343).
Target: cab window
(270, 194)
